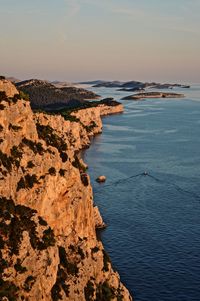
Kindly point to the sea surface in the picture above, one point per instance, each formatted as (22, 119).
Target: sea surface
(153, 233)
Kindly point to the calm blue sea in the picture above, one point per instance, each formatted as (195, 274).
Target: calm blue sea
(153, 234)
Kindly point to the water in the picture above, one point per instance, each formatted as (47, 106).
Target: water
(153, 234)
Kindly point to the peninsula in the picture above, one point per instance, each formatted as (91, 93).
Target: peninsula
(48, 244)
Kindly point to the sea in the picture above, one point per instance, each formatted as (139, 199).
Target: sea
(150, 202)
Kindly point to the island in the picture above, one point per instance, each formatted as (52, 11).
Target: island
(140, 96)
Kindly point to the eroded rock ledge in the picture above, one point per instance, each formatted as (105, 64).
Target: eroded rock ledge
(48, 244)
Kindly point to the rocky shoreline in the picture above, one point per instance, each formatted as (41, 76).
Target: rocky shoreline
(48, 244)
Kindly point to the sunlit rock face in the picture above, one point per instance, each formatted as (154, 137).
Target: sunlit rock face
(48, 244)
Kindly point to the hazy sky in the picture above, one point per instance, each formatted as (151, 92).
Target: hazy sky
(101, 39)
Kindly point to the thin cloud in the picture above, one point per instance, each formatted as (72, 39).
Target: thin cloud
(73, 8)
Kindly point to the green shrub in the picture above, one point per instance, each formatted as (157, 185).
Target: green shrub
(62, 172)
(16, 153)
(35, 147)
(84, 179)
(72, 268)
(64, 157)
(42, 222)
(106, 261)
(104, 292)
(23, 95)
(6, 161)
(59, 285)
(76, 163)
(8, 290)
(30, 164)
(90, 127)
(14, 127)
(27, 182)
(81, 253)
(52, 171)
(89, 291)
(19, 268)
(29, 282)
(20, 221)
(2, 107)
(3, 96)
(95, 249)
(48, 239)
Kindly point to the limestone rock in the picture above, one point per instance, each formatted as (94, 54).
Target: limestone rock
(101, 179)
(8, 88)
(39, 170)
(99, 223)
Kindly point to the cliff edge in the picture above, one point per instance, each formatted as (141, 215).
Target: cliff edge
(48, 244)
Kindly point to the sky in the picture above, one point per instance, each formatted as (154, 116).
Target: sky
(78, 40)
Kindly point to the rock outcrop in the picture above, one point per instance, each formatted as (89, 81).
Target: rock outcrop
(6, 85)
(48, 244)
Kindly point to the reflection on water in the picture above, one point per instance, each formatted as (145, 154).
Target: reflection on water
(153, 236)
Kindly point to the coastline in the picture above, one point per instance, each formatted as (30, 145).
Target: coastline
(42, 177)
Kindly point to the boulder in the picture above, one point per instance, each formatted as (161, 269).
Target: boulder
(101, 179)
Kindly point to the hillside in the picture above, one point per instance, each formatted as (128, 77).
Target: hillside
(45, 95)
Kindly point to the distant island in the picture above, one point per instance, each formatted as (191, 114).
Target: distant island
(133, 85)
(153, 95)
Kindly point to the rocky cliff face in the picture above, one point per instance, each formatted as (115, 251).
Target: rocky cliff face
(48, 244)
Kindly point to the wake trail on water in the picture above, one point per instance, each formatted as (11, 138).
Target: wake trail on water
(144, 174)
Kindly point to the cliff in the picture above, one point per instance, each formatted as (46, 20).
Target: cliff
(48, 244)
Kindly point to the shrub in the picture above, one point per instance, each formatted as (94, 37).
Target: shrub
(48, 239)
(21, 221)
(106, 261)
(59, 285)
(95, 249)
(1, 128)
(8, 290)
(3, 96)
(62, 172)
(76, 163)
(90, 127)
(35, 147)
(16, 153)
(6, 161)
(27, 182)
(23, 95)
(29, 282)
(81, 253)
(52, 171)
(14, 127)
(89, 291)
(2, 107)
(104, 292)
(72, 268)
(64, 157)
(42, 222)
(46, 133)
(21, 184)
(84, 179)
(19, 268)
(30, 164)
(2, 77)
